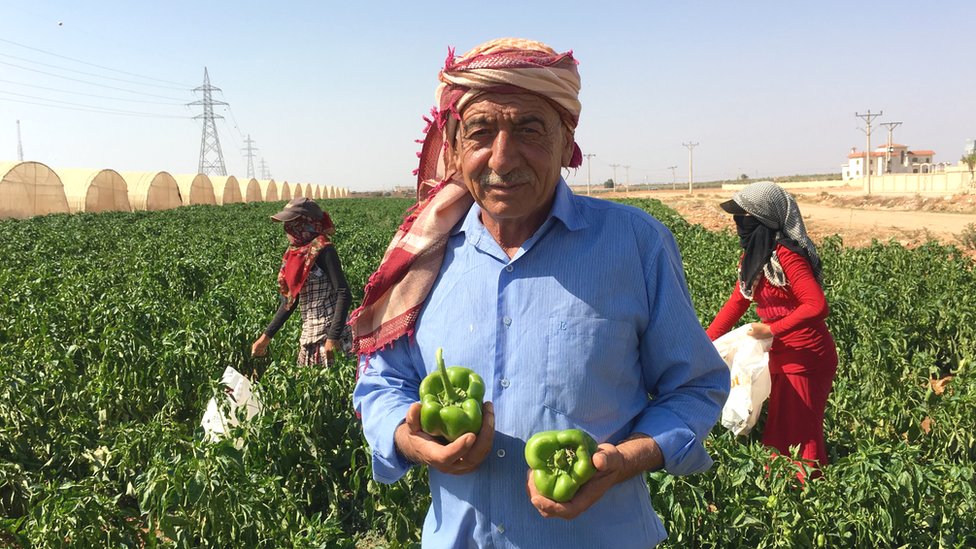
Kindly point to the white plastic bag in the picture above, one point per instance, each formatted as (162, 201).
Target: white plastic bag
(215, 424)
(748, 360)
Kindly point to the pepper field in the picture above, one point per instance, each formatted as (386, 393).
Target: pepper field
(115, 327)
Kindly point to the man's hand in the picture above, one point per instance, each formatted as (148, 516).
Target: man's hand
(614, 464)
(457, 458)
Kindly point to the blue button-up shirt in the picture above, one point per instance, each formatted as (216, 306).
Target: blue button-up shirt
(589, 326)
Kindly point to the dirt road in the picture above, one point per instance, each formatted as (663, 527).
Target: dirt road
(858, 219)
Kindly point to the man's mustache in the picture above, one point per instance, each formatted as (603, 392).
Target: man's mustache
(520, 176)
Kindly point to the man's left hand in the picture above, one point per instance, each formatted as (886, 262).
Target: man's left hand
(609, 464)
(614, 464)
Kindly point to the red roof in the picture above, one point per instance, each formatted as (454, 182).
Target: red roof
(922, 153)
(861, 155)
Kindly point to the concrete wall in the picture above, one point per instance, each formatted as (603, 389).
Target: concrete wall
(796, 184)
(955, 180)
(952, 181)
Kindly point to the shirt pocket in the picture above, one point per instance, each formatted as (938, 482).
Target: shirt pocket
(589, 362)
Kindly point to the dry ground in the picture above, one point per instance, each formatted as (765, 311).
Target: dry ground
(857, 218)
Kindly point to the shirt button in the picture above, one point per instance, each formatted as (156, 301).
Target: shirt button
(507, 320)
(500, 452)
(509, 268)
(506, 382)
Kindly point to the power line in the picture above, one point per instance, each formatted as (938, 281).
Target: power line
(251, 149)
(588, 163)
(867, 154)
(209, 140)
(691, 164)
(87, 73)
(87, 82)
(182, 86)
(20, 145)
(891, 129)
(84, 108)
(90, 94)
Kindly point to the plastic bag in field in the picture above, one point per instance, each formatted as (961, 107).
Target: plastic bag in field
(748, 360)
(238, 393)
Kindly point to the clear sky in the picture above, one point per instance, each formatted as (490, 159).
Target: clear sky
(333, 92)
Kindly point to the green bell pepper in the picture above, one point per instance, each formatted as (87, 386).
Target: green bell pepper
(561, 462)
(451, 401)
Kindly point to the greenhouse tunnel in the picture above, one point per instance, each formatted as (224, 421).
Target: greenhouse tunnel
(89, 190)
(152, 190)
(226, 189)
(30, 188)
(195, 189)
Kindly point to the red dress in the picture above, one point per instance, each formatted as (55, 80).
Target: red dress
(802, 359)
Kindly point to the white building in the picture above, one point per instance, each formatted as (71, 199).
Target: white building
(889, 159)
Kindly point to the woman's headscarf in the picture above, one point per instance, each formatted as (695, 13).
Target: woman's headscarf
(777, 220)
(307, 237)
(396, 291)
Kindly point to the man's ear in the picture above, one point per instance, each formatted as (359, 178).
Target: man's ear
(569, 145)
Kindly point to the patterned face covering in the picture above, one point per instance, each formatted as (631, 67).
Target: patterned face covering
(777, 211)
(307, 238)
(301, 231)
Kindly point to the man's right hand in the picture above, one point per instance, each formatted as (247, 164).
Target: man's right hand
(457, 458)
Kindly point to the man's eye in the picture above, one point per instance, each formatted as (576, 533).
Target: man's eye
(477, 133)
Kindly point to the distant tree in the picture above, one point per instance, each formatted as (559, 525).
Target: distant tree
(744, 176)
(970, 161)
(608, 184)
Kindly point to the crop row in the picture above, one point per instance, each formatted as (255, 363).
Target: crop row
(116, 326)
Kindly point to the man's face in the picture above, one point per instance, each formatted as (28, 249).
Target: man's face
(510, 148)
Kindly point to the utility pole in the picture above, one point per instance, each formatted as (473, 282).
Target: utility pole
(674, 184)
(691, 163)
(265, 171)
(614, 166)
(209, 141)
(250, 149)
(891, 129)
(627, 177)
(20, 145)
(867, 154)
(588, 157)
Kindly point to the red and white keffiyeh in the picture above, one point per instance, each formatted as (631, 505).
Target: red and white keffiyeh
(397, 290)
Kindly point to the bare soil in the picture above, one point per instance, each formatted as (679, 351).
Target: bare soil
(857, 218)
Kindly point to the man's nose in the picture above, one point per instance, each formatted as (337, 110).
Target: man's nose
(504, 153)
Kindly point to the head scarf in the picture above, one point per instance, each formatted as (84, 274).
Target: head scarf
(396, 291)
(779, 222)
(306, 237)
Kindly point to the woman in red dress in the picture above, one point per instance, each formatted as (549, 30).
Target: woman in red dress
(780, 271)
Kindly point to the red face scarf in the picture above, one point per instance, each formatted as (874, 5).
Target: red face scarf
(307, 238)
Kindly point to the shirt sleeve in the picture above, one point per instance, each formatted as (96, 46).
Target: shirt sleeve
(803, 283)
(281, 315)
(685, 377)
(388, 384)
(729, 314)
(328, 261)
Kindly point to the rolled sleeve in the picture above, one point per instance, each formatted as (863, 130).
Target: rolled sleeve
(386, 388)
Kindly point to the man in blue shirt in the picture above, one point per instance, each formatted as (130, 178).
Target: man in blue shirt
(574, 310)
